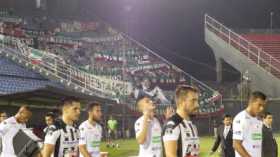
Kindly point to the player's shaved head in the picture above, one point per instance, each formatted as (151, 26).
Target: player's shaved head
(257, 103)
(3, 116)
(24, 114)
(24, 108)
(71, 108)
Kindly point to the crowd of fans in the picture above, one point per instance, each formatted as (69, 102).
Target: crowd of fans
(111, 56)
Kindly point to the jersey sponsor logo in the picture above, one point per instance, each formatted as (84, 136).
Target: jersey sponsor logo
(70, 142)
(238, 121)
(237, 132)
(256, 136)
(191, 138)
(156, 139)
(95, 143)
(156, 148)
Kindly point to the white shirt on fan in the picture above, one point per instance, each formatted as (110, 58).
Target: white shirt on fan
(226, 130)
(248, 129)
(90, 135)
(152, 146)
(8, 129)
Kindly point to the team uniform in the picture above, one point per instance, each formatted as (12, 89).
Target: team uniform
(8, 130)
(152, 146)
(65, 138)
(248, 129)
(90, 135)
(49, 128)
(185, 133)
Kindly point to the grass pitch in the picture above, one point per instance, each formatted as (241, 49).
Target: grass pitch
(129, 148)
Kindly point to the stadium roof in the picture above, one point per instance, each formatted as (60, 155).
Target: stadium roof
(50, 96)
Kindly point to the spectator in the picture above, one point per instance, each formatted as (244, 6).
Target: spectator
(112, 125)
(269, 144)
(224, 137)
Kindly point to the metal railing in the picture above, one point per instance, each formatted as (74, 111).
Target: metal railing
(74, 77)
(67, 74)
(247, 48)
(194, 80)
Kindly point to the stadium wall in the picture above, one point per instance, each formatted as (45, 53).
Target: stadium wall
(260, 79)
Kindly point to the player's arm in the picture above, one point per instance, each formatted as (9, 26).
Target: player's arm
(216, 144)
(142, 130)
(170, 148)
(237, 145)
(39, 154)
(171, 135)
(238, 136)
(49, 143)
(82, 143)
(83, 150)
(48, 150)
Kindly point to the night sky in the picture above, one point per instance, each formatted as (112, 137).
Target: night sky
(174, 28)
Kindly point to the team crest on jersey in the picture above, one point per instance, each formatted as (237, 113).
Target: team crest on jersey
(50, 132)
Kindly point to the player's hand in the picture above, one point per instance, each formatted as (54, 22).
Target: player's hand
(169, 112)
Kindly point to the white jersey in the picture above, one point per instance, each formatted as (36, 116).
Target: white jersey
(8, 129)
(248, 129)
(152, 146)
(185, 133)
(90, 135)
(49, 128)
(65, 138)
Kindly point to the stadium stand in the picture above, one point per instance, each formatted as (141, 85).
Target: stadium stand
(107, 64)
(8, 68)
(270, 43)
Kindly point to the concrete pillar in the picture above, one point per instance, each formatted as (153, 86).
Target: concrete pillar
(219, 70)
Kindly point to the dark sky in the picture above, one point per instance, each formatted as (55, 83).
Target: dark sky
(174, 28)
